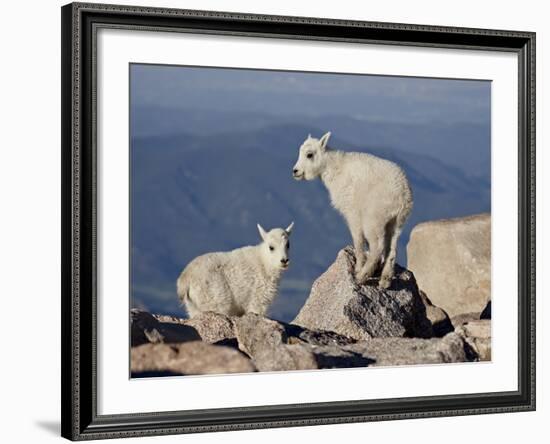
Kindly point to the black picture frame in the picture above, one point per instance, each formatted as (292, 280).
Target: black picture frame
(79, 170)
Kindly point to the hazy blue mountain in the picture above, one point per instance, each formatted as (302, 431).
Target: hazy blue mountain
(463, 145)
(206, 188)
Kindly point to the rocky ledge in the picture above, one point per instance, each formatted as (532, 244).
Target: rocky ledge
(341, 325)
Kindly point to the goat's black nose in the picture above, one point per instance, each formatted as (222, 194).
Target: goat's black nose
(284, 261)
(294, 170)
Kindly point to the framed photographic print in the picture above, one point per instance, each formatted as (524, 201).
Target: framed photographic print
(278, 221)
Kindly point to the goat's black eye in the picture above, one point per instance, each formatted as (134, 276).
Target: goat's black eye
(288, 245)
(271, 248)
(309, 155)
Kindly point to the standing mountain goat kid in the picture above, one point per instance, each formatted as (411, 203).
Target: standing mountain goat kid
(236, 282)
(372, 194)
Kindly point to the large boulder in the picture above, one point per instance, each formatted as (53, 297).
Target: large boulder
(451, 260)
(188, 358)
(338, 303)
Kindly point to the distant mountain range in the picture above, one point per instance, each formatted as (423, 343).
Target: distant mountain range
(205, 188)
(463, 145)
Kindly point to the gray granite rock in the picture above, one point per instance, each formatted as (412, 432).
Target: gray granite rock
(273, 346)
(264, 344)
(254, 333)
(477, 334)
(441, 324)
(212, 327)
(464, 318)
(189, 358)
(337, 303)
(209, 327)
(267, 343)
(451, 260)
(409, 351)
(146, 328)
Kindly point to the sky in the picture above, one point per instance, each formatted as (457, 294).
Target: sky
(379, 98)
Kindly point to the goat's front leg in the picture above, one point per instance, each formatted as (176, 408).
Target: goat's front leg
(358, 246)
(258, 306)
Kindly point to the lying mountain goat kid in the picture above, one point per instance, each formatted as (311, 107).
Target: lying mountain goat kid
(372, 194)
(236, 282)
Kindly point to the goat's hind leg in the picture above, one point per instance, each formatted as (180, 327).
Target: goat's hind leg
(213, 294)
(393, 232)
(376, 239)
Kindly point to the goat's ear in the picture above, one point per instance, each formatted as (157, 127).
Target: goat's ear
(324, 140)
(263, 234)
(289, 228)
